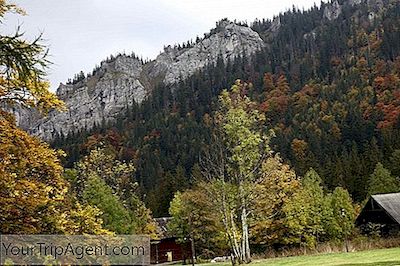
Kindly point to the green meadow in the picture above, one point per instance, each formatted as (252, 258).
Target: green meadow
(382, 257)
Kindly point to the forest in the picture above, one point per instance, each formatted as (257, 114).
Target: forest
(273, 151)
(331, 98)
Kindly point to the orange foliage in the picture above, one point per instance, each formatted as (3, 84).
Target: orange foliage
(299, 148)
(276, 95)
(388, 95)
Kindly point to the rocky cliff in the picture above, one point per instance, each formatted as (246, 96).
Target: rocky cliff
(124, 80)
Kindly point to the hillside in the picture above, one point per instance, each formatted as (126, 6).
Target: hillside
(327, 78)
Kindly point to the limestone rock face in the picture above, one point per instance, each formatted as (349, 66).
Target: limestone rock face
(355, 2)
(120, 82)
(229, 41)
(332, 12)
(94, 100)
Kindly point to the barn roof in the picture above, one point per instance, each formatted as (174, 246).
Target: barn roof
(162, 224)
(390, 203)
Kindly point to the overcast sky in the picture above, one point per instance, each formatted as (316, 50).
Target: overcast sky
(81, 33)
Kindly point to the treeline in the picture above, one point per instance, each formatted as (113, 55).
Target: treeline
(98, 71)
(245, 196)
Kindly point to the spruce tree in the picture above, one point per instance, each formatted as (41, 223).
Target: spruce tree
(381, 181)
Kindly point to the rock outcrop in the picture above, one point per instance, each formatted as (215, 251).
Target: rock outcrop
(229, 41)
(94, 100)
(333, 11)
(120, 82)
(355, 2)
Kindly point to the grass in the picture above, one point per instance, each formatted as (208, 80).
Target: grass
(381, 257)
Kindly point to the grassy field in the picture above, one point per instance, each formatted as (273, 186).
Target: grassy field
(382, 257)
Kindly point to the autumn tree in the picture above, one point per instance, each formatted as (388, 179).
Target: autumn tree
(106, 183)
(103, 163)
(276, 99)
(81, 219)
(23, 66)
(278, 183)
(31, 183)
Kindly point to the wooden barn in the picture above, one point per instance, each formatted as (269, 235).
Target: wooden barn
(167, 248)
(381, 210)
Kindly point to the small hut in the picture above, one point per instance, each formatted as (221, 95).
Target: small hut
(381, 210)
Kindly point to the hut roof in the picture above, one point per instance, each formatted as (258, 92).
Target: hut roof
(390, 203)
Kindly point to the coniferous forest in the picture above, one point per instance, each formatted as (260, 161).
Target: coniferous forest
(277, 150)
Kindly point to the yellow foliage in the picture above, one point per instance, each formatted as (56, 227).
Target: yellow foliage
(23, 64)
(81, 220)
(31, 185)
(277, 185)
(7, 7)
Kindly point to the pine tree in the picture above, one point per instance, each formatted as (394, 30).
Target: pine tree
(395, 163)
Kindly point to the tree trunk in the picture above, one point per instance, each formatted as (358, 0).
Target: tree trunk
(246, 255)
(238, 252)
(193, 251)
(230, 228)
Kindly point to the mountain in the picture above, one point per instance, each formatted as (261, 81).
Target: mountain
(124, 80)
(327, 79)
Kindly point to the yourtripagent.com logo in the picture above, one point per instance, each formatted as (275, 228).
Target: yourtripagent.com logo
(74, 250)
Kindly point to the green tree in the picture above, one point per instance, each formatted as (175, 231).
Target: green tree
(106, 183)
(305, 212)
(234, 164)
(180, 225)
(183, 218)
(115, 216)
(343, 214)
(194, 219)
(394, 163)
(196, 175)
(381, 181)
(180, 181)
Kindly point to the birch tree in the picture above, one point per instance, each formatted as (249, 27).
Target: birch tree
(233, 165)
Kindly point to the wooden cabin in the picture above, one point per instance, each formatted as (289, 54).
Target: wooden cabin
(381, 210)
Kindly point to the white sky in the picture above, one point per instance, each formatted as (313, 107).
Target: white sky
(81, 33)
